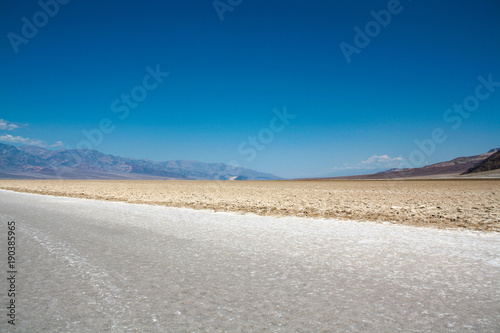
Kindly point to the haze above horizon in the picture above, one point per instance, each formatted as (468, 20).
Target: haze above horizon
(292, 88)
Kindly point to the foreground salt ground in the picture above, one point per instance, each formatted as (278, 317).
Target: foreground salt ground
(87, 265)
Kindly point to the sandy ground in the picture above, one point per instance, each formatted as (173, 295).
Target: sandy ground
(469, 204)
(97, 266)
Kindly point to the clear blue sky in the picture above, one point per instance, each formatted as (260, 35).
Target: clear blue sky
(227, 76)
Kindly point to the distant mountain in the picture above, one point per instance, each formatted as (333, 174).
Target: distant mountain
(454, 167)
(37, 151)
(35, 162)
(489, 164)
(11, 157)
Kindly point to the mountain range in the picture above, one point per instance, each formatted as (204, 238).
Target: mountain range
(489, 164)
(456, 167)
(32, 162)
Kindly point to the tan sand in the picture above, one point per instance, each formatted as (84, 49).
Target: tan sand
(469, 204)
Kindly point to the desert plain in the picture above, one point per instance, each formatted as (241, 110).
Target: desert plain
(472, 204)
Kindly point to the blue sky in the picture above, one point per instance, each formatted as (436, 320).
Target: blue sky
(269, 87)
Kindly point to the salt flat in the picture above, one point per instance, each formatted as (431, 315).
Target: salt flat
(88, 265)
(471, 204)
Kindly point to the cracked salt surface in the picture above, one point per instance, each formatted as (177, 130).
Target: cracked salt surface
(97, 266)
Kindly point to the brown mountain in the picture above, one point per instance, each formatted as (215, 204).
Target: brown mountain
(454, 167)
(489, 164)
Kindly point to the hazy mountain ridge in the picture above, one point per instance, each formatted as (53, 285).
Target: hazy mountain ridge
(489, 164)
(37, 162)
(453, 167)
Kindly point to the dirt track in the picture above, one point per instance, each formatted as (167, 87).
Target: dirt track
(469, 204)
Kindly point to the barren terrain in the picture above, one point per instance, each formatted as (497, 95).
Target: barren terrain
(463, 204)
(100, 266)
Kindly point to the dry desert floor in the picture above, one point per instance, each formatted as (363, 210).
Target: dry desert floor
(462, 204)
